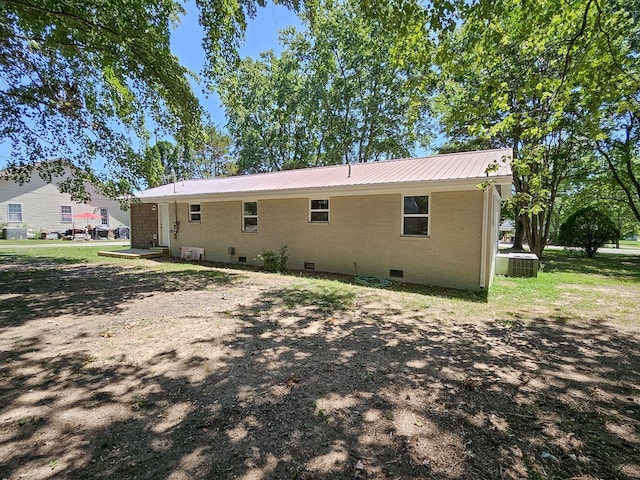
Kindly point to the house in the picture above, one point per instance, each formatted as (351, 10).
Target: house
(419, 220)
(38, 206)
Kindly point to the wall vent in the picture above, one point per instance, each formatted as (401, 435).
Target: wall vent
(242, 259)
(309, 266)
(396, 273)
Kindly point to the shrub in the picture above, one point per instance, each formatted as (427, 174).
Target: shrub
(589, 229)
(275, 262)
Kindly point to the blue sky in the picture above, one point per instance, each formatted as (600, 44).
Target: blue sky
(261, 35)
(186, 43)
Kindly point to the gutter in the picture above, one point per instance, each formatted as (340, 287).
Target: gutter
(483, 252)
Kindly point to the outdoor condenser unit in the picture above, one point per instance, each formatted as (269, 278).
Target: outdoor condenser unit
(523, 265)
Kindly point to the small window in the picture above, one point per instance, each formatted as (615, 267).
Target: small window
(65, 214)
(195, 214)
(250, 217)
(415, 216)
(104, 217)
(319, 211)
(14, 213)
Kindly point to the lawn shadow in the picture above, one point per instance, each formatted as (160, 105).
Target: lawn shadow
(306, 386)
(309, 381)
(625, 267)
(51, 286)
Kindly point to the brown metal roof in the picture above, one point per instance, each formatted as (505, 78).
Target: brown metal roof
(437, 168)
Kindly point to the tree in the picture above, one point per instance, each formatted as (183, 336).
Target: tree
(332, 96)
(211, 158)
(521, 74)
(161, 163)
(594, 185)
(588, 228)
(82, 79)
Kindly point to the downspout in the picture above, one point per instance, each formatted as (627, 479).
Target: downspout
(483, 242)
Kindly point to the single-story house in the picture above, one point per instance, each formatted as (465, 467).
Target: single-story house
(38, 206)
(418, 220)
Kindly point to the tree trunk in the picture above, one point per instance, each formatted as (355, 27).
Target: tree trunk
(518, 237)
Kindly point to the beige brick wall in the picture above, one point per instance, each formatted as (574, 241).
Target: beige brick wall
(365, 230)
(144, 224)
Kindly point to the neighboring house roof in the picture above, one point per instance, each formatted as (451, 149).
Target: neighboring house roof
(466, 166)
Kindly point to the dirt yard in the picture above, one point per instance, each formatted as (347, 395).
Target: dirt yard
(121, 372)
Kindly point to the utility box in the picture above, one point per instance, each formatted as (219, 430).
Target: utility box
(502, 263)
(14, 233)
(517, 264)
(523, 265)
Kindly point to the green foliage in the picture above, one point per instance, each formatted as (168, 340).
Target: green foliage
(275, 262)
(84, 80)
(211, 155)
(589, 229)
(80, 80)
(595, 185)
(332, 96)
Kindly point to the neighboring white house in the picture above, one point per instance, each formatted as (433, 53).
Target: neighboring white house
(38, 206)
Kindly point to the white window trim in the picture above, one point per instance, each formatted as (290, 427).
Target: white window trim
(104, 224)
(9, 214)
(199, 213)
(415, 215)
(62, 220)
(249, 216)
(320, 210)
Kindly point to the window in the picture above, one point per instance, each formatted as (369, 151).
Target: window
(415, 216)
(319, 211)
(65, 214)
(195, 213)
(104, 217)
(250, 217)
(14, 213)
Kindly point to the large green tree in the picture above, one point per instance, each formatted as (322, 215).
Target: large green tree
(333, 96)
(530, 75)
(84, 79)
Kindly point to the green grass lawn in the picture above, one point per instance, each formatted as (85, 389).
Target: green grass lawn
(34, 242)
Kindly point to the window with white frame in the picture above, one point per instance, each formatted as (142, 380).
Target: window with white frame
(14, 213)
(415, 216)
(319, 211)
(195, 212)
(65, 214)
(250, 216)
(104, 217)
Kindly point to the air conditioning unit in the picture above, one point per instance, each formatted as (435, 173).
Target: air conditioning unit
(523, 265)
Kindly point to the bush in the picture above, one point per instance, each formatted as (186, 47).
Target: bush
(589, 229)
(275, 262)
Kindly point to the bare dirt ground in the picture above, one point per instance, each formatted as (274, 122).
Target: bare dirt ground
(108, 371)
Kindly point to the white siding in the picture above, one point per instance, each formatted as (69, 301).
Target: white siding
(41, 206)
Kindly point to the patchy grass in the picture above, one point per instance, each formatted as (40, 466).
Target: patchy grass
(112, 368)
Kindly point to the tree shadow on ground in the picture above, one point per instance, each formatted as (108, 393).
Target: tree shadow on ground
(620, 266)
(53, 287)
(313, 384)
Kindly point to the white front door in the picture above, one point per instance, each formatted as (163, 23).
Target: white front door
(163, 224)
